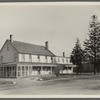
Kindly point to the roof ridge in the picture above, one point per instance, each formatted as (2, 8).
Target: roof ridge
(27, 43)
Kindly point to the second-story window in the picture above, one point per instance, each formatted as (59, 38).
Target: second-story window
(51, 59)
(1, 58)
(66, 60)
(63, 60)
(7, 47)
(15, 57)
(46, 57)
(38, 57)
(23, 57)
(30, 58)
(58, 60)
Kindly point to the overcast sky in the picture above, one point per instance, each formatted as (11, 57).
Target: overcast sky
(58, 24)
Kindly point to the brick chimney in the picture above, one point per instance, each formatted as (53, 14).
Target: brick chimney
(63, 54)
(46, 45)
(11, 38)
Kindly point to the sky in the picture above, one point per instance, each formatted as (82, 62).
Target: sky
(58, 24)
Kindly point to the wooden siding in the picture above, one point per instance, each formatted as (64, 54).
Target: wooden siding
(8, 53)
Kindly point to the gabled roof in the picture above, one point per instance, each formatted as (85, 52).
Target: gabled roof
(27, 48)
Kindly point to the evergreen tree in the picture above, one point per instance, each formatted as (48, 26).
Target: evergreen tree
(77, 56)
(92, 45)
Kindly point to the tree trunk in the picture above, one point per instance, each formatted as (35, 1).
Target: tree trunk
(95, 68)
(77, 69)
(81, 68)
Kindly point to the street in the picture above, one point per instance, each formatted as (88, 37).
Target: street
(27, 86)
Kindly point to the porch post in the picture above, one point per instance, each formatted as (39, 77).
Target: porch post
(67, 69)
(2, 71)
(31, 70)
(16, 71)
(72, 69)
(41, 70)
(6, 71)
(51, 69)
(21, 71)
(28, 71)
(24, 71)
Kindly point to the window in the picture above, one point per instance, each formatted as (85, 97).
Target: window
(66, 60)
(38, 57)
(51, 59)
(15, 57)
(1, 58)
(7, 47)
(58, 60)
(23, 57)
(45, 57)
(30, 58)
(63, 60)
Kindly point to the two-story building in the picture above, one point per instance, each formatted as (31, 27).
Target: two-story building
(19, 59)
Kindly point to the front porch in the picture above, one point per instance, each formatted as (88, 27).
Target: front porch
(25, 70)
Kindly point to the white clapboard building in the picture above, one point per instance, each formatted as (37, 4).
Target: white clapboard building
(19, 59)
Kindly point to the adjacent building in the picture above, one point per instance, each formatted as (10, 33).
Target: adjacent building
(19, 59)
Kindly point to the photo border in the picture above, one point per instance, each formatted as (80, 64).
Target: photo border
(39, 97)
